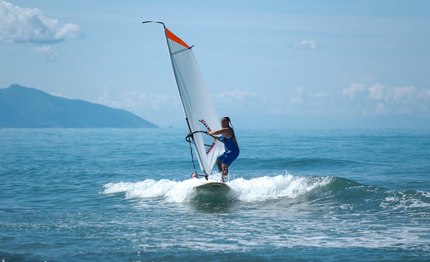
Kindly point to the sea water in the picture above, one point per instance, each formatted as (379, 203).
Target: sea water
(297, 195)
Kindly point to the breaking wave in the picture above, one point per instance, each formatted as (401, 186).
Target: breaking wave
(346, 193)
(247, 190)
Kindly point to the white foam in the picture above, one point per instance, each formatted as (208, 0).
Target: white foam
(265, 188)
(402, 200)
(171, 190)
(248, 190)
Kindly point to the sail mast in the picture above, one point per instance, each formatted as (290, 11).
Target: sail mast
(196, 101)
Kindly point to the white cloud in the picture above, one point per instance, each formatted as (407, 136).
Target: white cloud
(47, 52)
(299, 103)
(25, 25)
(234, 99)
(399, 93)
(319, 94)
(303, 97)
(139, 103)
(352, 90)
(298, 99)
(235, 94)
(381, 109)
(58, 95)
(408, 94)
(424, 94)
(376, 92)
(160, 109)
(306, 45)
(385, 100)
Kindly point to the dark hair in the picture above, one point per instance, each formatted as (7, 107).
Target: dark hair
(226, 118)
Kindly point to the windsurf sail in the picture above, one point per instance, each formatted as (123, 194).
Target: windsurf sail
(198, 108)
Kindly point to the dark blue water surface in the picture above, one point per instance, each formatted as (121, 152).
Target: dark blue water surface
(301, 195)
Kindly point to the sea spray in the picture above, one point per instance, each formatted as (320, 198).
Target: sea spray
(145, 189)
(170, 190)
(247, 190)
(281, 186)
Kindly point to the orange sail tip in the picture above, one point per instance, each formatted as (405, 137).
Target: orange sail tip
(173, 37)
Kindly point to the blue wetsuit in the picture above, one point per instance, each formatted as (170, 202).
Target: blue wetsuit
(231, 150)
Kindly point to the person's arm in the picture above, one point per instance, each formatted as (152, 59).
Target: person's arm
(222, 131)
(217, 132)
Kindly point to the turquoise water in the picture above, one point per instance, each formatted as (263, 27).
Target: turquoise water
(298, 195)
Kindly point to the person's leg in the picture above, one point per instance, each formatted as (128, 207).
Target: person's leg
(224, 171)
(219, 165)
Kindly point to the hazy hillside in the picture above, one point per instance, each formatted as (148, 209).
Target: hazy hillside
(28, 107)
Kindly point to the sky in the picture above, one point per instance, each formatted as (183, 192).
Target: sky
(267, 64)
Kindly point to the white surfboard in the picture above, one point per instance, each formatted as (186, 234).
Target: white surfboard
(213, 188)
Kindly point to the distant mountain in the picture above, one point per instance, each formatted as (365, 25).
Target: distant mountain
(28, 107)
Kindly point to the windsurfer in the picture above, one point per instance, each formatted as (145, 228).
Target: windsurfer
(230, 144)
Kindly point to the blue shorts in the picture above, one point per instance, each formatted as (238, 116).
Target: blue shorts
(228, 157)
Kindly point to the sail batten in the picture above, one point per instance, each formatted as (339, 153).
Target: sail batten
(196, 102)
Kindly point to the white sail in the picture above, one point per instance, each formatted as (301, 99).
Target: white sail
(196, 101)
